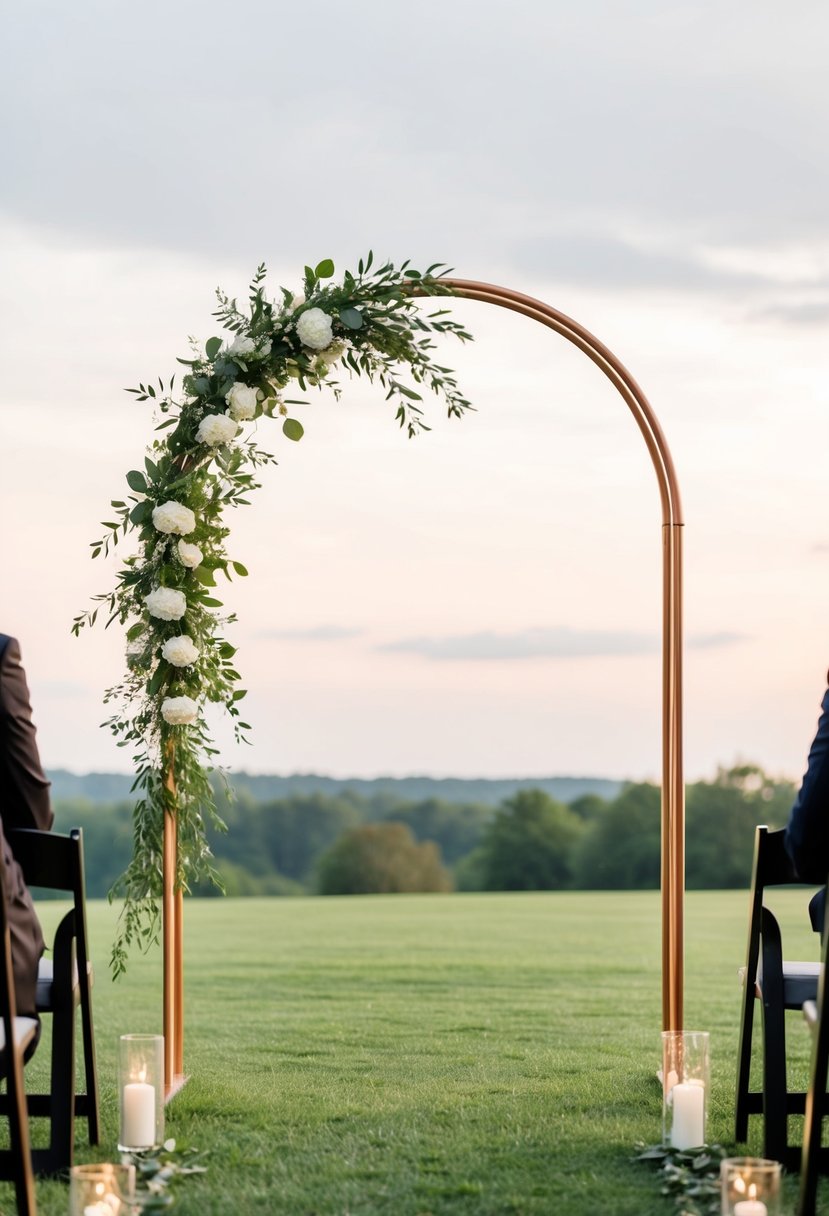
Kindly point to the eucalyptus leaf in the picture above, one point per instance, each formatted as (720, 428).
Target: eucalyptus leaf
(351, 318)
(292, 429)
(136, 481)
(324, 269)
(212, 347)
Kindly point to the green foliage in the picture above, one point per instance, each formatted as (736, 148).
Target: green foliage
(177, 657)
(272, 846)
(622, 849)
(457, 828)
(720, 819)
(379, 859)
(691, 1176)
(529, 844)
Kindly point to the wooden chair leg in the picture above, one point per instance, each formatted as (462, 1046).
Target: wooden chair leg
(62, 1138)
(812, 1125)
(90, 1069)
(775, 1117)
(24, 1187)
(744, 1063)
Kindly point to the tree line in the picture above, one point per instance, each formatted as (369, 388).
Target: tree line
(351, 843)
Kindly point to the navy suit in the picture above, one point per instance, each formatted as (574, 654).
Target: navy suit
(24, 803)
(807, 832)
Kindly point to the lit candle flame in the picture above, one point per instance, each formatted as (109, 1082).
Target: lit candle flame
(142, 1076)
(752, 1191)
(99, 1188)
(739, 1185)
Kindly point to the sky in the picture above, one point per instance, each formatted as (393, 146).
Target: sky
(483, 600)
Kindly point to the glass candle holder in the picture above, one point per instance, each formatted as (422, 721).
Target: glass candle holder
(101, 1190)
(750, 1186)
(685, 1085)
(141, 1090)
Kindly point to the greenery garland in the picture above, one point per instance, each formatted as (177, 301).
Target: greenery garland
(177, 655)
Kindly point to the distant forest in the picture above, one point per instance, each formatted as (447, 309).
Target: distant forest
(316, 835)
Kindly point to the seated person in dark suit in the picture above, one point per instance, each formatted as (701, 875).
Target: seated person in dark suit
(24, 803)
(807, 832)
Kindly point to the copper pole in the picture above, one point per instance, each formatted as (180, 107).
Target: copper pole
(178, 995)
(171, 961)
(673, 790)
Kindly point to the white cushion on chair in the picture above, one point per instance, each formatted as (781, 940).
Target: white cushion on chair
(46, 977)
(24, 1032)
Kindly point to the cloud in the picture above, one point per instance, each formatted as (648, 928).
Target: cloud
(317, 633)
(710, 641)
(555, 643)
(810, 312)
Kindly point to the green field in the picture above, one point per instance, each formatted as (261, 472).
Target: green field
(413, 1055)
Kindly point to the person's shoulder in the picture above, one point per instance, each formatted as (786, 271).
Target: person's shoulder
(8, 646)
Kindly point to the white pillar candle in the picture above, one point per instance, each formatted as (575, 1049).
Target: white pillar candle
(688, 1122)
(751, 1206)
(138, 1130)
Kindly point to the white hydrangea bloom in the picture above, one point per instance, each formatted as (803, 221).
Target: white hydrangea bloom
(216, 429)
(241, 345)
(166, 603)
(314, 329)
(189, 555)
(242, 402)
(173, 518)
(181, 651)
(179, 711)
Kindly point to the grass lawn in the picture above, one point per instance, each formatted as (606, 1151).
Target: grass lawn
(414, 1055)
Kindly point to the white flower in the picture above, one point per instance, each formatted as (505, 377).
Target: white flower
(166, 603)
(242, 401)
(179, 711)
(296, 302)
(241, 345)
(331, 354)
(216, 429)
(314, 329)
(174, 517)
(181, 651)
(189, 555)
(264, 349)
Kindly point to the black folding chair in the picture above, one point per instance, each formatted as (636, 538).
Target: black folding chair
(778, 986)
(16, 1034)
(55, 862)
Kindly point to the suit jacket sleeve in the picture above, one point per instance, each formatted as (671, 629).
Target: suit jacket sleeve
(807, 833)
(25, 788)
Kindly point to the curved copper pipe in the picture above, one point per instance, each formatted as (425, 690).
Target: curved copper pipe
(673, 792)
(673, 789)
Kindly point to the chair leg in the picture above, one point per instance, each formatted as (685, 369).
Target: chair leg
(744, 1064)
(20, 1146)
(775, 1104)
(90, 1069)
(62, 1122)
(812, 1126)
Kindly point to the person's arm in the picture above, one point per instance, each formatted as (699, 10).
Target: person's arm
(807, 832)
(26, 802)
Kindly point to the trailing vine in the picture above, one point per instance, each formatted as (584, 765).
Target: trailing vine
(201, 463)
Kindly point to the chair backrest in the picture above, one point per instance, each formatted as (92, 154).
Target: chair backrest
(772, 868)
(55, 862)
(20, 1149)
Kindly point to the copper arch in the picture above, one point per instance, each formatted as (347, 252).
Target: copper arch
(673, 791)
